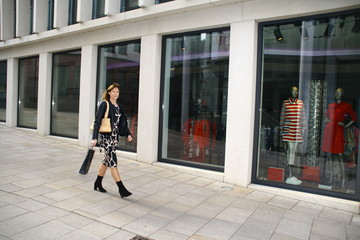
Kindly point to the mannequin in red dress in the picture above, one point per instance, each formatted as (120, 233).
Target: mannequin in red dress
(333, 139)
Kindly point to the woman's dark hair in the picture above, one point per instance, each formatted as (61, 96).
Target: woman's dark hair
(105, 95)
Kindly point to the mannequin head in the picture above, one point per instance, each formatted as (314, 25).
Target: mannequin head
(294, 92)
(339, 94)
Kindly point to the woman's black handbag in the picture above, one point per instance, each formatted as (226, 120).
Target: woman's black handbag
(87, 162)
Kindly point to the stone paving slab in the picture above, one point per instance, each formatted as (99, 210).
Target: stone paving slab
(42, 196)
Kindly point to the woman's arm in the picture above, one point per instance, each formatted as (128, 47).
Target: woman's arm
(98, 118)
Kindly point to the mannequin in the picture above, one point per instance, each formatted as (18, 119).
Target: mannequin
(292, 126)
(333, 139)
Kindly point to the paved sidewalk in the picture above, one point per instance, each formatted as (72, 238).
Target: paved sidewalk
(42, 196)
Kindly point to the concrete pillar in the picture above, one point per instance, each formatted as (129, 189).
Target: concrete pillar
(44, 94)
(22, 18)
(40, 15)
(241, 103)
(87, 93)
(12, 92)
(61, 13)
(112, 7)
(7, 19)
(84, 10)
(149, 92)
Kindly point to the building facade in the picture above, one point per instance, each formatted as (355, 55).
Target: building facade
(248, 91)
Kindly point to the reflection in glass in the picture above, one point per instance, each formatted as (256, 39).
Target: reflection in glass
(28, 92)
(309, 137)
(65, 93)
(3, 72)
(120, 63)
(195, 82)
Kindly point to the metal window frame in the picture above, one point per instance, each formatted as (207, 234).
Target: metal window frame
(161, 103)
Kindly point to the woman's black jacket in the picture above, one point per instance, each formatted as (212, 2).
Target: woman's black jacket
(123, 129)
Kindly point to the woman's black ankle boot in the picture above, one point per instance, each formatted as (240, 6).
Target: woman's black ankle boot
(122, 190)
(98, 185)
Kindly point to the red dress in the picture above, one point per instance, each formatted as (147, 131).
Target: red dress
(333, 139)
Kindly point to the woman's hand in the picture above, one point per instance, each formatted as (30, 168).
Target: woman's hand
(93, 142)
(129, 138)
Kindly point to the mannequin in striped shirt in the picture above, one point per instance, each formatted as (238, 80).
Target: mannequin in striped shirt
(292, 126)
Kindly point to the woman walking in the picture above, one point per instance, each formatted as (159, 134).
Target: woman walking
(109, 141)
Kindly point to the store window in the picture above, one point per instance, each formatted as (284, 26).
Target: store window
(120, 63)
(3, 72)
(65, 93)
(98, 8)
(28, 92)
(128, 5)
(72, 12)
(310, 104)
(194, 98)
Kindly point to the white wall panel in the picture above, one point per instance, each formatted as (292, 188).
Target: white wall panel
(61, 13)
(12, 92)
(149, 92)
(40, 15)
(84, 10)
(241, 103)
(87, 93)
(112, 7)
(7, 19)
(22, 18)
(44, 94)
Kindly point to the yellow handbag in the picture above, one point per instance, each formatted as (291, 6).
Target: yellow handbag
(105, 126)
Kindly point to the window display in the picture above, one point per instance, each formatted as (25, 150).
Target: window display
(65, 93)
(310, 100)
(120, 63)
(195, 80)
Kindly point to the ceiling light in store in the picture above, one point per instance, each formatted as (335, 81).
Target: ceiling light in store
(356, 27)
(278, 34)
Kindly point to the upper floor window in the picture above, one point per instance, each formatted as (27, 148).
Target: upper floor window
(128, 5)
(31, 17)
(162, 1)
(98, 8)
(72, 12)
(50, 14)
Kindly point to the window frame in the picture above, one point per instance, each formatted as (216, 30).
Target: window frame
(216, 168)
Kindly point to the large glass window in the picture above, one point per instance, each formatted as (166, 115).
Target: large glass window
(194, 98)
(72, 11)
(98, 8)
(3, 72)
(28, 92)
(310, 104)
(65, 93)
(120, 62)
